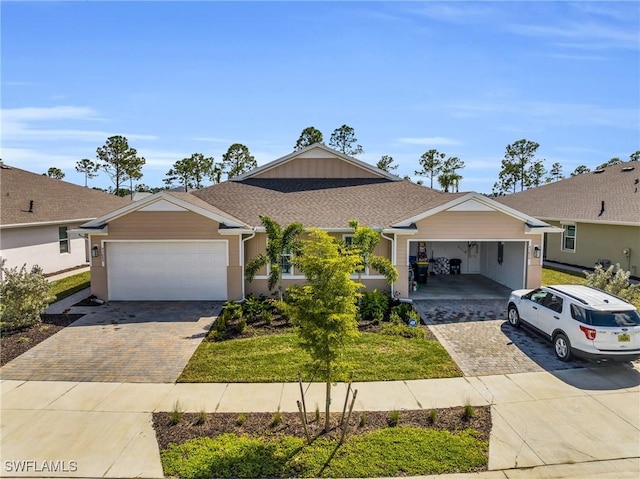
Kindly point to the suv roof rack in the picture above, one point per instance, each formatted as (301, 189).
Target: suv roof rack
(607, 292)
(577, 298)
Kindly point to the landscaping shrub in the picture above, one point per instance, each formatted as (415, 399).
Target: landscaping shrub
(218, 330)
(231, 311)
(374, 305)
(267, 316)
(24, 296)
(614, 280)
(252, 308)
(402, 310)
(240, 326)
(402, 329)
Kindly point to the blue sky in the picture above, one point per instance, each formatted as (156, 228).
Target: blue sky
(175, 78)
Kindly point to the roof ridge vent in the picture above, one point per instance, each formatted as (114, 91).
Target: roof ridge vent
(601, 170)
(628, 168)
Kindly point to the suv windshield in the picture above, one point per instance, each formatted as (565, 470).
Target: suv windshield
(614, 318)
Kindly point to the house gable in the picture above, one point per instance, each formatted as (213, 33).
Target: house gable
(165, 202)
(316, 161)
(475, 202)
(163, 205)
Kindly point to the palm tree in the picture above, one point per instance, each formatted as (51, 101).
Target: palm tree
(366, 240)
(281, 243)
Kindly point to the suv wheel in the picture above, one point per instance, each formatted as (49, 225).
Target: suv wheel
(562, 347)
(514, 317)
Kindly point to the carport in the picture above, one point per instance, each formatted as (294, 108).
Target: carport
(472, 268)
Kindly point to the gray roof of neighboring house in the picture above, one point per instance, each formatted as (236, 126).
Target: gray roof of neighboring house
(324, 203)
(53, 200)
(610, 196)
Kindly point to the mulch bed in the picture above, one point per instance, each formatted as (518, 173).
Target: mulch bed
(279, 325)
(15, 342)
(262, 424)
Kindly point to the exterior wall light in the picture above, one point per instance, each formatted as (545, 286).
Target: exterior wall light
(95, 251)
(536, 251)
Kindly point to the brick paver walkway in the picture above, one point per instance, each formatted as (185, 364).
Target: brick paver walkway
(481, 342)
(120, 342)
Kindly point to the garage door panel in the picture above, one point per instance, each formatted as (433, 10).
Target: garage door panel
(167, 270)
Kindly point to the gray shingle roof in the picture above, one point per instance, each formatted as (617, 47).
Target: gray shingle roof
(194, 200)
(53, 200)
(581, 197)
(323, 203)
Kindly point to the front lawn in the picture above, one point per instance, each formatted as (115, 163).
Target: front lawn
(552, 276)
(383, 453)
(418, 442)
(72, 284)
(278, 358)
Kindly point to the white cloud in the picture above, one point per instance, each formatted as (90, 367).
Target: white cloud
(552, 113)
(37, 161)
(582, 34)
(207, 139)
(23, 124)
(47, 113)
(429, 141)
(449, 12)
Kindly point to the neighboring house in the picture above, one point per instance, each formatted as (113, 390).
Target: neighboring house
(37, 214)
(599, 213)
(138, 195)
(195, 245)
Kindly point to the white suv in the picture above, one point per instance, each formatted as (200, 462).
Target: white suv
(580, 321)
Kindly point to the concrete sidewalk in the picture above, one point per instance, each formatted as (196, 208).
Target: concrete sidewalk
(572, 423)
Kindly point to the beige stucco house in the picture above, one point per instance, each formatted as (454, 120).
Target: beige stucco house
(38, 215)
(599, 213)
(190, 246)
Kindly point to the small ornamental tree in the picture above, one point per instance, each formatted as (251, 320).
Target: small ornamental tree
(324, 308)
(281, 244)
(24, 295)
(614, 280)
(365, 241)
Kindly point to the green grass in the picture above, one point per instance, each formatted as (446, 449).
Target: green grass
(72, 284)
(551, 276)
(382, 453)
(278, 358)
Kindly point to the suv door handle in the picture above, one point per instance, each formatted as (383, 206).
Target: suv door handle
(557, 317)
(535, 307)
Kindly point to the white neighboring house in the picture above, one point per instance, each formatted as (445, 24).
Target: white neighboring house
(37, 214)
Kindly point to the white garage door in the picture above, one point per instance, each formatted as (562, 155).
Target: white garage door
(173, 270)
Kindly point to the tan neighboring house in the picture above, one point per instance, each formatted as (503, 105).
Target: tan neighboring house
(599, 213)
(193, 246)
(38, 214)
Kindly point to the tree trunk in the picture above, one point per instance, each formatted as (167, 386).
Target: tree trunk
(327, 422)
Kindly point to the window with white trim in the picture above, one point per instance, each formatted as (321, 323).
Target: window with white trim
(63, 240)
(286, 263)
(569, 234)
(348, 240)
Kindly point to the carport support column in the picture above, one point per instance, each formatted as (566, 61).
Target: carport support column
(242, 249)
(393, 259)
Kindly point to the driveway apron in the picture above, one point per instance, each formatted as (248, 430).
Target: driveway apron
(133, 342)
(480, 340)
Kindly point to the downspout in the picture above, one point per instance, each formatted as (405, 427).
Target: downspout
(393, 257)
(242, 259)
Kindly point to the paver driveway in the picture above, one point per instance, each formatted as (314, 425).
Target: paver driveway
(119, 342)
(481, 341)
